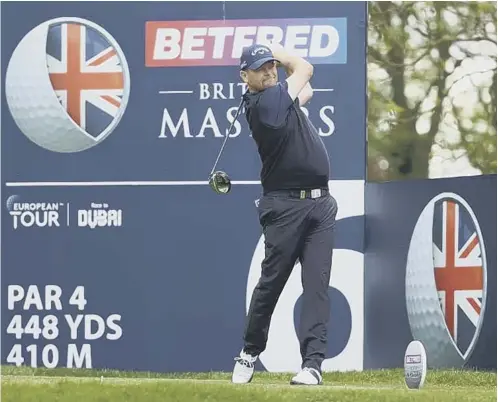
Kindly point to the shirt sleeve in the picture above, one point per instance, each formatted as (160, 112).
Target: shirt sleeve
(274, 105)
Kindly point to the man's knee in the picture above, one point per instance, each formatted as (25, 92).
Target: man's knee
(271, 284)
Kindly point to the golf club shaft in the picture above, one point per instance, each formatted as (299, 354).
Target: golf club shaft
(228, 134)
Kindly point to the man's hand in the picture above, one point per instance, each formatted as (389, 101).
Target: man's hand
(278, 50)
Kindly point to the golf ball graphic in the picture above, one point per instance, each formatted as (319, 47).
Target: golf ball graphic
(11, 201)
(67, 84)
(445, 281)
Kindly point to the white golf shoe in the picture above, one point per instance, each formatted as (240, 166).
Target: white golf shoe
(244, 368)
(307, 376)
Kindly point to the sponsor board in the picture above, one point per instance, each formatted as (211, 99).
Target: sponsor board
(445, 295)
(92, 86)
(121, 155)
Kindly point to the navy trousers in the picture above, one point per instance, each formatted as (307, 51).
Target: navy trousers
(294, 229)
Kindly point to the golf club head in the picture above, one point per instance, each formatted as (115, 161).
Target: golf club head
(220, 182)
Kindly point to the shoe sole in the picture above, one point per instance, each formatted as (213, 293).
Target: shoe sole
(247, 382)
(292, 382)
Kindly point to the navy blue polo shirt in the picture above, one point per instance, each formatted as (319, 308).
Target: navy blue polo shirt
(292, 153)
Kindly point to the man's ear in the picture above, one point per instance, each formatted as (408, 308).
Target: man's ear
(243, 76)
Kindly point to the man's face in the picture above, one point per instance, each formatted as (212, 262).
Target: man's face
(264, 77)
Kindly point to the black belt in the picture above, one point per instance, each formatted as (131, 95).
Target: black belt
(302, 194)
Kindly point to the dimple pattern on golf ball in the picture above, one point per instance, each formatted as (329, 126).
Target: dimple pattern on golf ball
(426, 318)
(33, 102)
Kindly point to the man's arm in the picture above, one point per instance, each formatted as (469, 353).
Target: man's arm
(299, 73)
(306, 93)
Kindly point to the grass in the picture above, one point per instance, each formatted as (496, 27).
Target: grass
(23, 384)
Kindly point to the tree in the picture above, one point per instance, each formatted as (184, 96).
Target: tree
(432, 86)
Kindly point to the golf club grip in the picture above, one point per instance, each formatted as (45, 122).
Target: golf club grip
(228, 134)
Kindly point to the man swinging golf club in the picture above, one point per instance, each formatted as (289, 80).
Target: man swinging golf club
(296, 211)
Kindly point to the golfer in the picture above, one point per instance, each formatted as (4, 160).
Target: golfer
(296, 211)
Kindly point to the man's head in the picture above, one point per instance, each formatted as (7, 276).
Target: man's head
(258, 68)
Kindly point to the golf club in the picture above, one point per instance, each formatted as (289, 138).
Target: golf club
(219, 180)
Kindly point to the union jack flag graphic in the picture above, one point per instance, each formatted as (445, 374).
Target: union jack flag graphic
(458, 270)
(86, 74)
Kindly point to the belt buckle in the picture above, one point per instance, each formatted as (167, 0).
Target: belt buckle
(302, 194)
(316, 193)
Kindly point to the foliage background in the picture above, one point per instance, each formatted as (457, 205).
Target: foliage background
(432, 89)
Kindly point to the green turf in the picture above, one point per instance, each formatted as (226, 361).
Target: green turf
(43, 385)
